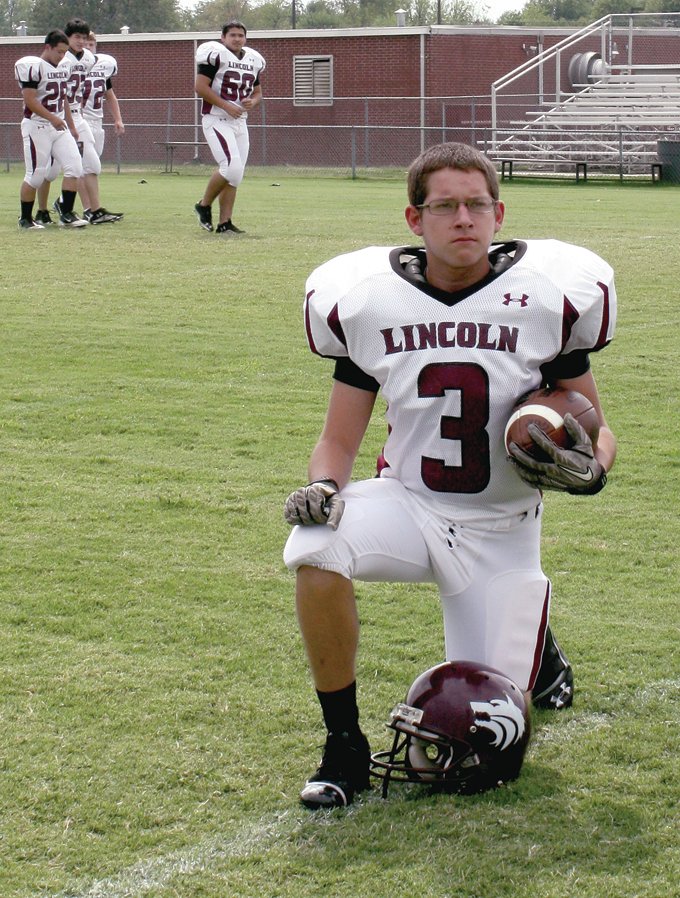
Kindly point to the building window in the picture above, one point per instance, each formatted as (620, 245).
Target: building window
(312, 80)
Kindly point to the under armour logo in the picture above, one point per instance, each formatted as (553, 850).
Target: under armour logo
(522, 300)
(503, 717)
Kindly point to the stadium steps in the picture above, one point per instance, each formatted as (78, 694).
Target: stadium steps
(612, 124)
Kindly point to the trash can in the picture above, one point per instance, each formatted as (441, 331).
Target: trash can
(668, 152)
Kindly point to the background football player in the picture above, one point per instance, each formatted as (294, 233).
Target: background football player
(47, 128)
(98, 89)
(78, 61)
(436, 330)
(228, 81)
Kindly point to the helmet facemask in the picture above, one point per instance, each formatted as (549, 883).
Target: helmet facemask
(463, 728)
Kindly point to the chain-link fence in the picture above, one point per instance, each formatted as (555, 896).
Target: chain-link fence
(361, 135)
(357, 135)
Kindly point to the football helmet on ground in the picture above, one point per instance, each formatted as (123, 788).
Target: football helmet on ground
(464, 727)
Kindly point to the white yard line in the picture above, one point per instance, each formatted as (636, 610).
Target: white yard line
(154, 873)
(143, 876)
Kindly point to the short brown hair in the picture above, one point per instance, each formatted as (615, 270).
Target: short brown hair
(448, 155)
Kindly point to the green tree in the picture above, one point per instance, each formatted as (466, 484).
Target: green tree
(108, 16)
(655, 6)
(210, 15)
(272, 15)
(558, 12)
(513, 17)
(452, 12)
(11, 13)
(319, 14)
(612, 7)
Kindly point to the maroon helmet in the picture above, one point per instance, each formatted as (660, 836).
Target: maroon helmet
(463, 727)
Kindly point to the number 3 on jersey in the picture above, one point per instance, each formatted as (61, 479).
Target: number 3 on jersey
(471, 381)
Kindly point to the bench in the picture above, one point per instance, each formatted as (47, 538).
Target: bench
(170, 146)
(580, 167)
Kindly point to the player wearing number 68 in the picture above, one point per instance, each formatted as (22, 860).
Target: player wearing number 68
(451, 334)
(228, 82)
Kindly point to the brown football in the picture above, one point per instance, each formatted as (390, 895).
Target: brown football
(546, 408)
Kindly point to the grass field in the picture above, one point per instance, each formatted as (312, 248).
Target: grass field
(157, 717)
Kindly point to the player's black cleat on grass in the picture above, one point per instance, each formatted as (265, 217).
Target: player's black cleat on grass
(28, 224)
(554, 687)
(204, 215)
(71, 220)
(342, 773)
(43, 217)
(228, 227)
(101, 216)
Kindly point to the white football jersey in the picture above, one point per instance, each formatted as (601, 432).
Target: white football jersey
(94, 85)
(234, 79)
(50, 83)
(77, 68)
(451, 367)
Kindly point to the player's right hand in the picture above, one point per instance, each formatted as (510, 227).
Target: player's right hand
(317, 503)
(58, 123)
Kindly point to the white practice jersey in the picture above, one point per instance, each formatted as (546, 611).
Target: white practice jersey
(451, 367)
(78, 68)
(232, 78)
(48, 81)
(95, 85)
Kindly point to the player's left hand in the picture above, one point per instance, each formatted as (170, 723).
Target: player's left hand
(574, 470)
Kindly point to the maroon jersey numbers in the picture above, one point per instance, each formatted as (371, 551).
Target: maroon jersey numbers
(471, 381)
(237, 86)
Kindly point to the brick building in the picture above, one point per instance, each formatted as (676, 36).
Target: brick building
(328, 93)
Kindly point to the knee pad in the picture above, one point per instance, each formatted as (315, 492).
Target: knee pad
(91, 162)
(35, 178)
(52, 172)
(232, 171)
(73, 169)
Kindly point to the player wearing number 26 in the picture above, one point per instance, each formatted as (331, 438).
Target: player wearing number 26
(46, 126)
(452, 335)
(228, 82)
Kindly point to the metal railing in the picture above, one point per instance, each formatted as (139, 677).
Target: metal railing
(550, 66)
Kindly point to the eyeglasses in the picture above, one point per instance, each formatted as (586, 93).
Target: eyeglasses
(450, 207)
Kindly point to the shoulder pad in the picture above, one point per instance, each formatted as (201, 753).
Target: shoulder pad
(587, 283)
(326, 291)
(209, 53)
(28, 68)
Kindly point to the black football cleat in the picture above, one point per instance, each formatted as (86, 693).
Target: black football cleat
(71, 220)
(204, 216)
(554, 686)
(228, 227)
(101, 216)
(29, 224)
(43, 217)
(343, 773)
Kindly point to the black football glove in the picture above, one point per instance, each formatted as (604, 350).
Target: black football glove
(317, 503)
(574, 470)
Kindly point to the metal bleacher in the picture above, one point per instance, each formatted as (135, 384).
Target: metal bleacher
(610, 120)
